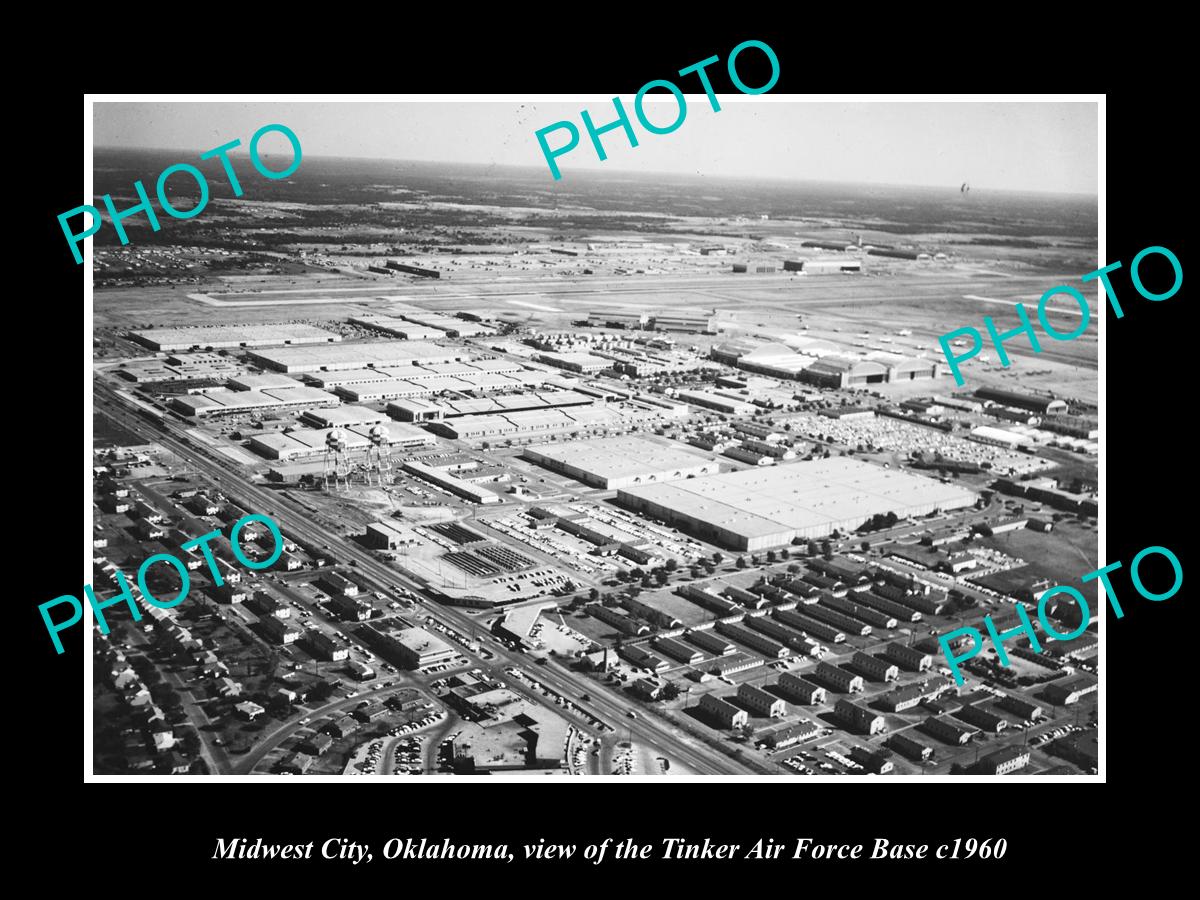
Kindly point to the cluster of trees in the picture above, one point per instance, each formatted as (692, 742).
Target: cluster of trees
(878, 522)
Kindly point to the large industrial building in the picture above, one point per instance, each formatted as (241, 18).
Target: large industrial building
(455, 485)
(302, 442)
(223, 402)
(767, 507)
(617, 318)
(583, 363)
(412, 270)
(342, 417)
(1032, 402)
(180, 367)
(539, 423)
(356, 356)
(421, 410)
(836, 266)
(261, 382)
(723, 403)
(620, 461)
(413, 648)
(384, 389)
(449, 325)
(690, 322)
(905, 368)
(389, 535)
(453, 376)
(842, 371)
(997, 437)
(202, 337)
(777, 361)
(400, 328)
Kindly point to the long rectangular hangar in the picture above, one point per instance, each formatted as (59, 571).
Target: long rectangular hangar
(620, 461)
(223, 402)
(199, 337)
(758, 508)
(356, 356)
(306, 442)
(413, 410)
(484, 373)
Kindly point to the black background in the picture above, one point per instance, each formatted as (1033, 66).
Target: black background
(1075, 831)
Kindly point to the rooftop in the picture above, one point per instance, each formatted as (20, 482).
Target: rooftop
(801, 495)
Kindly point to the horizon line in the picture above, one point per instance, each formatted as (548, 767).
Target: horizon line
(635, 173)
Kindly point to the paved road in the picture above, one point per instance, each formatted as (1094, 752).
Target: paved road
(661, 737)
(245, 764)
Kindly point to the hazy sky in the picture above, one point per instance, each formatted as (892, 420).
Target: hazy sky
(999, 146)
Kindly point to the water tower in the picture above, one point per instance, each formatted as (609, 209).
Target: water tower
(337, 461)
(379, 457)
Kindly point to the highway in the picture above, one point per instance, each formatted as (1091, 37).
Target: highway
(647, 729)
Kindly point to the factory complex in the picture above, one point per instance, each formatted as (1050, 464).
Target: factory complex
(549, 507)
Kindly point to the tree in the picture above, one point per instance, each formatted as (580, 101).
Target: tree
(671, 565)
(741, 562)
(772, 556)
(165, 696)
(271, 665)
(670, 691)
(661, 577)
(191, 742)
(812, 548)
(866, 546)
(594, 594)
(718, 558)
(279, 707)
(826, 549)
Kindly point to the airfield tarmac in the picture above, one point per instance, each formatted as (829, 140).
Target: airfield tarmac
(929, 302)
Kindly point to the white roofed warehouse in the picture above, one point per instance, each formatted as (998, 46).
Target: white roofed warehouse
(620, 461)
(766, 507)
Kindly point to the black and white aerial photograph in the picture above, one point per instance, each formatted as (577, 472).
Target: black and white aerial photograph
(749, 450)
